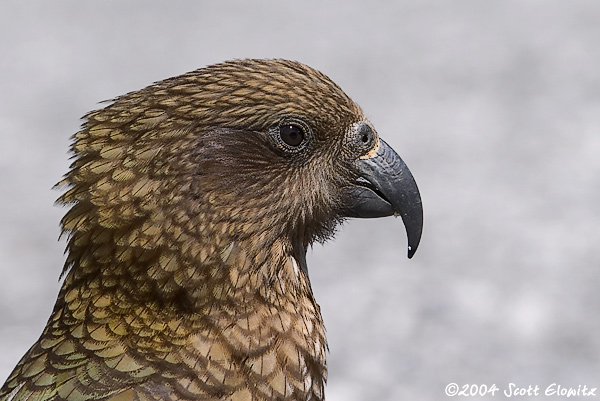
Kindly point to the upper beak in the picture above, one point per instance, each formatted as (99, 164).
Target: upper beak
(386, 187)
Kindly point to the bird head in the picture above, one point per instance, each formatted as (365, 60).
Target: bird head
(261, 150)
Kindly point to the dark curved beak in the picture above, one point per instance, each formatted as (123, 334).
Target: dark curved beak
(386, 187)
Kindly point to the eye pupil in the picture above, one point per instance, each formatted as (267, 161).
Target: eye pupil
(291, 134)
(365, 138)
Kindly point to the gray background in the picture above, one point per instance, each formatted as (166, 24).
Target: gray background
(495, 107)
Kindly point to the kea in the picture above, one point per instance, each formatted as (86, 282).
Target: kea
(192, 205)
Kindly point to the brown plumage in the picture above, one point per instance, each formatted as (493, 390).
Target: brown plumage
(193, 202)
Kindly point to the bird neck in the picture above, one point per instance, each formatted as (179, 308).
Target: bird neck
(237, 308)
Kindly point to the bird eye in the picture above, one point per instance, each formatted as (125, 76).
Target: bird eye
(291, 134)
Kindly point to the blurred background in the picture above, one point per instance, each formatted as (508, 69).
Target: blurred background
(495, 107)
